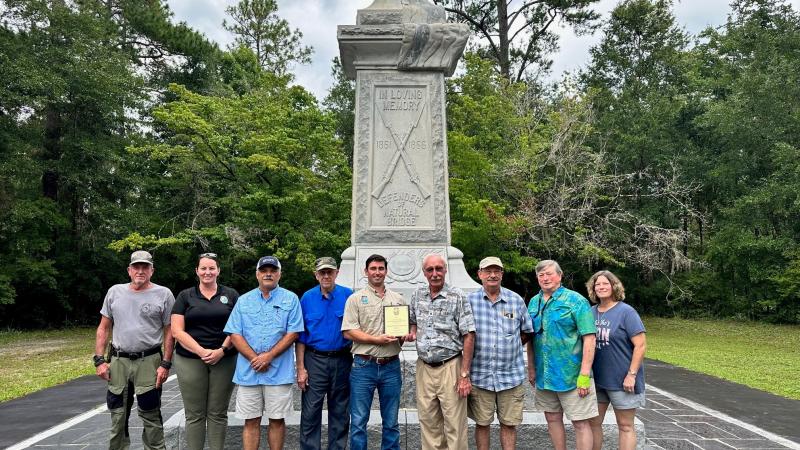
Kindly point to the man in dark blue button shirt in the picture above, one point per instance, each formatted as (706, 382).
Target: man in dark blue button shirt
(324, 360)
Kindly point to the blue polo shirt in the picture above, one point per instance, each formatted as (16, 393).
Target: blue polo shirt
(263, 322)
(322, 316)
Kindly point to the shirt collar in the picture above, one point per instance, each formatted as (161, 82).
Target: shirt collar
(272, 294)
(501, 296)
(556, 293)
(442, 293)
(371, 289)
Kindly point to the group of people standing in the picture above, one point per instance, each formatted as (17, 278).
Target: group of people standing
(471, 356)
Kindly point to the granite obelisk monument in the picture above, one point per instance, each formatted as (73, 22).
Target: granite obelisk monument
(399, 53)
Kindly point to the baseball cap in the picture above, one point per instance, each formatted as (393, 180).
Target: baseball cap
(490, 261)
(326, 262)
(141, 256)
(268, 261)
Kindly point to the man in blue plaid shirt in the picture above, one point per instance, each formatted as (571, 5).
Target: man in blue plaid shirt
(502, 328)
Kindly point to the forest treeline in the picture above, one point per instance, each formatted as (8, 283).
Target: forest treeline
(672, 158)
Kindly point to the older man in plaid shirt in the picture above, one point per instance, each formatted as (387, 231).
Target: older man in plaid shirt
(502, 328)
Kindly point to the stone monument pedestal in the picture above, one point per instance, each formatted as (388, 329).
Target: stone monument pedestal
(399, 54)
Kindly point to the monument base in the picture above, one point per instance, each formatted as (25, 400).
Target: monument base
(404, 274)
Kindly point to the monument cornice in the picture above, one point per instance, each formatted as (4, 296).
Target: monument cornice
(413, 35)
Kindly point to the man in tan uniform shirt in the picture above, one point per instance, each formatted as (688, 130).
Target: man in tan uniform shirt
(376, 364)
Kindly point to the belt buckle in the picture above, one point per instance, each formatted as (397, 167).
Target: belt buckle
(133, 356)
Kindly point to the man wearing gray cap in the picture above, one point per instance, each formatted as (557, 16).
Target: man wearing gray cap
(324, 360)
(137, 317)
(263, 326)
(503, 326)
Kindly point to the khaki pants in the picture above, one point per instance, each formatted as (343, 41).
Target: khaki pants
(442, 412)
(129, 376)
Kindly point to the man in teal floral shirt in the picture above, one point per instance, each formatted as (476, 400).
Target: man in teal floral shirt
(563, 347)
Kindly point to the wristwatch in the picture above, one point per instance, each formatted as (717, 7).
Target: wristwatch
(631, 373)
(98, 360)
(464, 374)
(166, 364)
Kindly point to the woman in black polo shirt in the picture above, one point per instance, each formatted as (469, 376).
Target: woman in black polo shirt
(204, 356)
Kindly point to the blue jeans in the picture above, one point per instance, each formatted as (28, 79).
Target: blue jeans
(365, 377)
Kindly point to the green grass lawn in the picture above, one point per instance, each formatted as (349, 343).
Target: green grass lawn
(761, 356)
(34, 360)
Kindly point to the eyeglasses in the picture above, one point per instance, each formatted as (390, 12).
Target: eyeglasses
(492, 271)
(208, 255)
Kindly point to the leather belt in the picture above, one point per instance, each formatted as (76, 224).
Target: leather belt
(441, 363)
(135, 355)
(379, 360)
(341, 352)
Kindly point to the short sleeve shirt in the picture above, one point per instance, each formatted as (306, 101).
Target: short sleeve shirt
(499, 359)
(322, 316)
(559, 325)
(138, 317)
(204, 318)
(614, 352)
(364, 311)
(263, 322)
(441, 322)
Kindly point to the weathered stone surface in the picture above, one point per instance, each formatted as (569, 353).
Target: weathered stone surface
(399, 54)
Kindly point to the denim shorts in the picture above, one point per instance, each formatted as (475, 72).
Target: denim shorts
(620, 399)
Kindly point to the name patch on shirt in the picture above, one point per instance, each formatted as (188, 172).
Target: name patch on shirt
(364, 300)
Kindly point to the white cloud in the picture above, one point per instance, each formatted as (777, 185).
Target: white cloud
(317, 20)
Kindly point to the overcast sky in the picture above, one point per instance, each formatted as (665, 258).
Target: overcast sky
(317, 20)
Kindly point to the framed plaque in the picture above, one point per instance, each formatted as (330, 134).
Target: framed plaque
(395, 320)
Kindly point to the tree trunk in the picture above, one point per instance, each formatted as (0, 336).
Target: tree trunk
(502, 22)
(52, 153)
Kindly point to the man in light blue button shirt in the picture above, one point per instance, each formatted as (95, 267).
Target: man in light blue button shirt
(263, 325)
(503, 326)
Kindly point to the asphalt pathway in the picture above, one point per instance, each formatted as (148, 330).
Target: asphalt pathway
(686, 410)
(24, 417)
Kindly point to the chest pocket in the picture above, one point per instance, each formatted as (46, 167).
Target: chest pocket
(279, 316)
(313, 319)
(509, 325)
(561, 319)
(442, 315)
(151, 311)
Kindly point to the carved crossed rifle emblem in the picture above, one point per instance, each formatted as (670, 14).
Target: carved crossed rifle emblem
(400, 143)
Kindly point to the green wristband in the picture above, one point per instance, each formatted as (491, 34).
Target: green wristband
(584, 381)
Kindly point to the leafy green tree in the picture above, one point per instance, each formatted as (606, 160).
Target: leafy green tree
(260, 173)
(520, 36)
(257, 26)
(75, 78)
(341, 101)
(750, 131)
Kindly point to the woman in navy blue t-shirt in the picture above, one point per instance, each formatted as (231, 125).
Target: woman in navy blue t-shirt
(618, 368)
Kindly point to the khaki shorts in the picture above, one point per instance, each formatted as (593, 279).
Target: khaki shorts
(482, 404)
(274, 402)
(573, 406)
